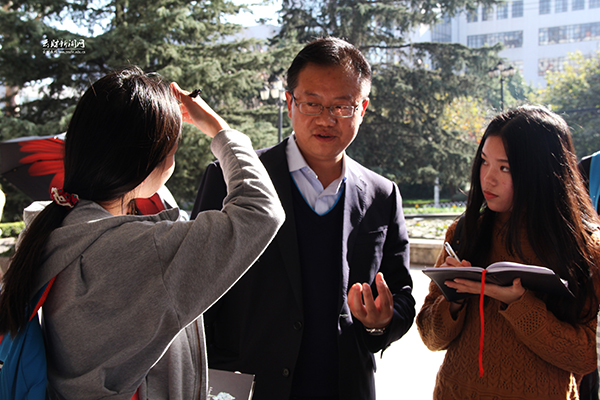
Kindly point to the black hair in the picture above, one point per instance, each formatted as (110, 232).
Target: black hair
(123, 127)
(330, 51)
(549, 200)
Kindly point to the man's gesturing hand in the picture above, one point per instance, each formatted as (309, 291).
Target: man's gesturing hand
(373, 313)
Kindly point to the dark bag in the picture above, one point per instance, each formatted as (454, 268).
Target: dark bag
(23, 357)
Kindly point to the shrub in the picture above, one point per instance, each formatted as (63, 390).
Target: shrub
(11, 229)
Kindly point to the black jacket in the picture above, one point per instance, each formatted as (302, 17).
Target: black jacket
(257, 326)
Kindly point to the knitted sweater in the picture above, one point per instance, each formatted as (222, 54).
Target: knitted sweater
(527, 352)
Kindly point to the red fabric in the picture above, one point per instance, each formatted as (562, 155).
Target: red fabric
(63, 198)
(46, 159)
(481, 296)
(149, 206)
(43, 298)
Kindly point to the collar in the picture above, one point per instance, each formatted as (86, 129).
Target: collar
(296, 162)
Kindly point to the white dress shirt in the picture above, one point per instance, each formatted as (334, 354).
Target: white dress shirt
(320, 199)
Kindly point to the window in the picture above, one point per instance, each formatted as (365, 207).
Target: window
(594, 3)
(508, 39)
(442, 32)
(544, 7)
(578, 5)
(561, 6)
(557, 34)
(487, 13)
(569, 33)
(549, 64)
(472, 15)
(475, 41)
(556, 64)
(517, 8)
(502, 11)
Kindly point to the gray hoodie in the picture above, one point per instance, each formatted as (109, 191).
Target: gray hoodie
(127, 286)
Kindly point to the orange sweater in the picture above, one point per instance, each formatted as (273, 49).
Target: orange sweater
(527, 353)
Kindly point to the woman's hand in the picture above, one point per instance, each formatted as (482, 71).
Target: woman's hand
(456, 306)
(195, 111)
(505, 294)
(453, 262)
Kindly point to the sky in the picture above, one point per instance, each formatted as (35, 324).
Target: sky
(268, 11)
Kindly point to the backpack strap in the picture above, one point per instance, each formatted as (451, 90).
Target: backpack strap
(594, 179)
(41, 297)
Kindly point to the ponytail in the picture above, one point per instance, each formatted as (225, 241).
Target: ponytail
(122, 129)
(17, 283)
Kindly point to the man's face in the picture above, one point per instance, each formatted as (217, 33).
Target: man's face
(323, 138)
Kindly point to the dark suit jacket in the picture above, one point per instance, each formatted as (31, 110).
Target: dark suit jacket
(257, 326)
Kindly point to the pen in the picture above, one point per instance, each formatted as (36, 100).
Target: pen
(450, 251)
(195, 93)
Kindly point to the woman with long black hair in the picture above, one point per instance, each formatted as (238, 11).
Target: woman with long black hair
(527, 204)
(127, 285)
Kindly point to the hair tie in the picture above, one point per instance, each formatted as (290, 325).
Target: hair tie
(63, 198)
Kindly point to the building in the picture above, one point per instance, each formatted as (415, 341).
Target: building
(537, 35)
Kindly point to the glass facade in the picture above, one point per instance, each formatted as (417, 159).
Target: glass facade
(442, 32)
(561, 6)
(502, 11)
(569, 33)
(487, 13)
(517, 9)
(545, 6)
(472, 15)
(509, 39)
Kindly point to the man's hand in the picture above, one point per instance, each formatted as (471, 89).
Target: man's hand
(373, 313)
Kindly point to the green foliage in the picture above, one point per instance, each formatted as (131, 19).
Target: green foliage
(403, 136)
(466, 117)
(575, 94)
(376, 24)
(433, 210)
(183, 41)
(16, 201)
(11, 229)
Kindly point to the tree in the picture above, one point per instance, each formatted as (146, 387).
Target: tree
(402, 136)
(184, 41)
(574, 93)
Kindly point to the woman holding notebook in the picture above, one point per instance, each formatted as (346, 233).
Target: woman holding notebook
(527, 204)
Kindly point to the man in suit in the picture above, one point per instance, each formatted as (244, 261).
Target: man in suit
(334, 286)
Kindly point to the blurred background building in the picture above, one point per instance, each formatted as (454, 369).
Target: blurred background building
(537, 34)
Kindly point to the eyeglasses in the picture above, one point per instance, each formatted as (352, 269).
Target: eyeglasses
(338, 111)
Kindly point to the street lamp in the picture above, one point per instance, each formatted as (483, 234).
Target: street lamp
(276, 91)
(502, 71)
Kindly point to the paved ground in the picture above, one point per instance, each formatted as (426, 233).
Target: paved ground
(408, 369)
